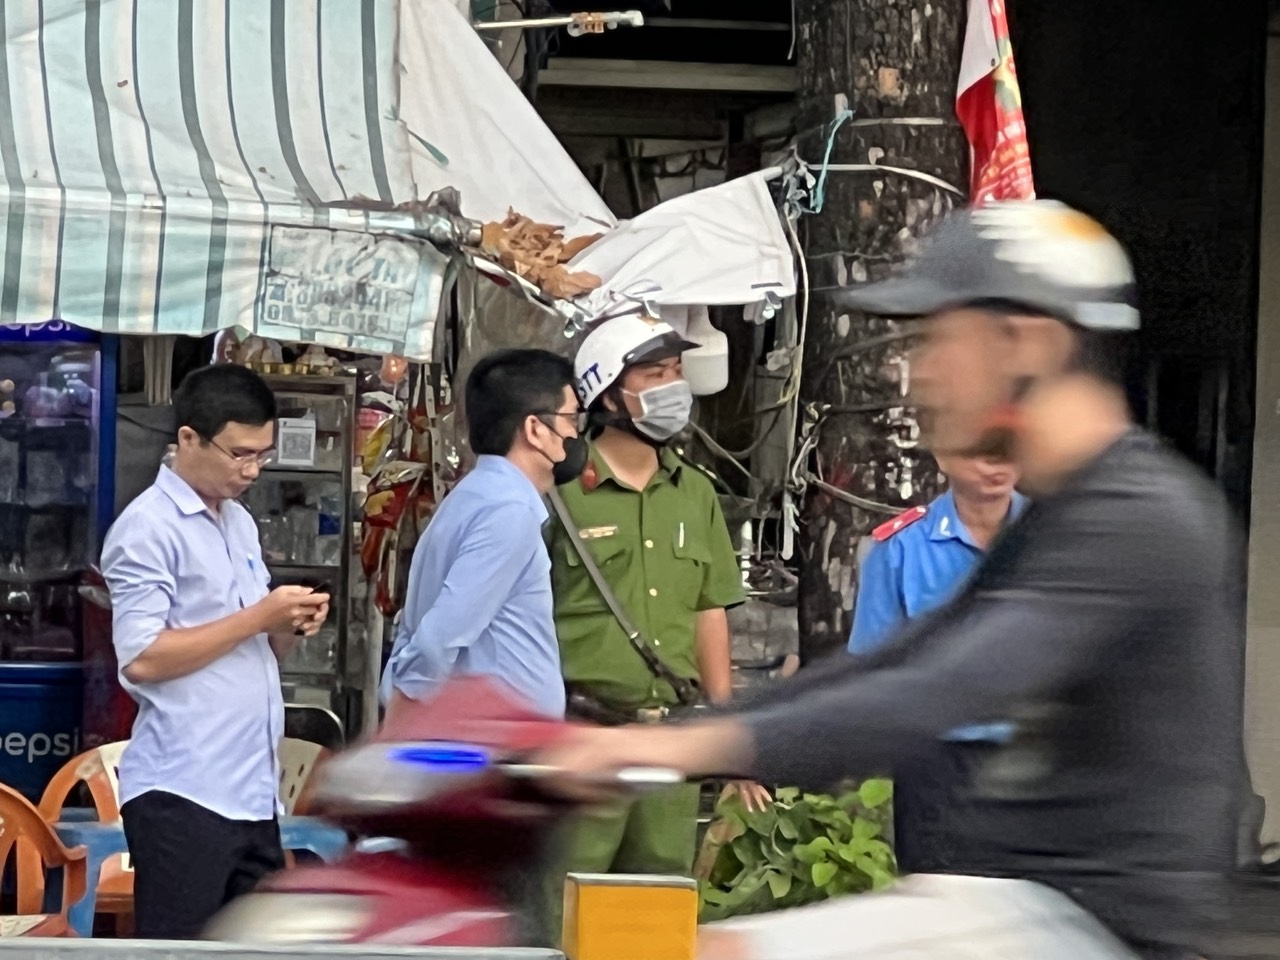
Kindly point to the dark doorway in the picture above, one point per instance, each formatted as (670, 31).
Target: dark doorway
(1149, 115)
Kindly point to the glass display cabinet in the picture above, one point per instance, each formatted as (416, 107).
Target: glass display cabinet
(57, 389)
(302, 502)
(54, 484)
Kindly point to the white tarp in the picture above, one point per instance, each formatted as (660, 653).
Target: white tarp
(459, 99)
(173, 167)
(720, 246)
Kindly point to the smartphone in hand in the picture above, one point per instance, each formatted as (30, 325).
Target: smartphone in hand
(321, 587)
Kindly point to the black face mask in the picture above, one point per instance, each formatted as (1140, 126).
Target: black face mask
(574, 462)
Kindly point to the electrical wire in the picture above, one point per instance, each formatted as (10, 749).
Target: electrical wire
(761, 435)
(883, 168)
(819, 193)
(520, 48)
(800, 477)
(721, 452)
(792, 396)
(496, 6)
(791, 388)
(833, 359)
(853, 499)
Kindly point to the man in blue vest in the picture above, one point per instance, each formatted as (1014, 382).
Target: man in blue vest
(921, 558)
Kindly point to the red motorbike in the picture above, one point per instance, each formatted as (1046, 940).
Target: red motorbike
(456, 833)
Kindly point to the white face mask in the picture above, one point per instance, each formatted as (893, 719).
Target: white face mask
(664, 410)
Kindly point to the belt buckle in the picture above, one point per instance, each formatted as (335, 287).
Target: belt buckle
(653, 714)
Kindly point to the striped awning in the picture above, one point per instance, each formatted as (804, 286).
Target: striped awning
(183, 166)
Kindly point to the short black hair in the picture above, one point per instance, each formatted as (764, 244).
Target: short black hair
(211, 397)
(507, 386)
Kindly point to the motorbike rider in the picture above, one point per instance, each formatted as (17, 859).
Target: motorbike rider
(1104, 623)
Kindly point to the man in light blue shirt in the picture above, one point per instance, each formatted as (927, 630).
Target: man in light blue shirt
(197, 632)
(479, 596)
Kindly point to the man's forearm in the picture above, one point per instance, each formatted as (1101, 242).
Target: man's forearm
(178, 652)
(715, 667)
(723, 747)
(871, 714)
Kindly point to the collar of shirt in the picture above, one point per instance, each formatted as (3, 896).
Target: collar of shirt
(598, 471)
(946, 522)
(180, 492)
(511, 477)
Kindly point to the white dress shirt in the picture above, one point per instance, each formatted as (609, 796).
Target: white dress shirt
(210, 736)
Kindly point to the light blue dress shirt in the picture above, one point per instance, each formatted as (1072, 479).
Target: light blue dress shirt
(211, 736)
(479, 595)
(914, 572)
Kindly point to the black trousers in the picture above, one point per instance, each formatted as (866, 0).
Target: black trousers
(189, 862)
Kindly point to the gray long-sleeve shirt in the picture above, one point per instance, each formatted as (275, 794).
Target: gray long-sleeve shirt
(1108, 623)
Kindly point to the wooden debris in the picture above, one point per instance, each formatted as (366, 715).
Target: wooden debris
(538, 252)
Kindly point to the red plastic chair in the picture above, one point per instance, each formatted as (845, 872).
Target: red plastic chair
(22, 827)
(98, 770)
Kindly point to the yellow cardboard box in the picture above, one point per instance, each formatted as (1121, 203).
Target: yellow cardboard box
(626, 917)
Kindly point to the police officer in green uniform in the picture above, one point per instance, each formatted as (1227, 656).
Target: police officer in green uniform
(653, 527)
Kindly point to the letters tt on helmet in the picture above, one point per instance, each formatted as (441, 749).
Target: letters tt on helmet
(619, 343)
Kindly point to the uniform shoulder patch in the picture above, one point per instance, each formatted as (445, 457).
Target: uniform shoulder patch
(898, 523)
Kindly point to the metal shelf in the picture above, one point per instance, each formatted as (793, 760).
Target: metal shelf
(343, 695)
(300, 473)
(288, 569)
(329, 678)
(304, 384)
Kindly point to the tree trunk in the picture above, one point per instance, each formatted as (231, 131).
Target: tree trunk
(883, 59)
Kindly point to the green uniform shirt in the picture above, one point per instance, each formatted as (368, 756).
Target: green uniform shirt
(667, 555)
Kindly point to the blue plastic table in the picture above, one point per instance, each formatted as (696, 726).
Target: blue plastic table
(105, 840)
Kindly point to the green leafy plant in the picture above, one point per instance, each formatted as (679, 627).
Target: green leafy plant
(804, 848)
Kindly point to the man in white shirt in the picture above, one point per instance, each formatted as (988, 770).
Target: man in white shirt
(198, 632)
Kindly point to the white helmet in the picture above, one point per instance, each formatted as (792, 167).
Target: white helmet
(619, 343)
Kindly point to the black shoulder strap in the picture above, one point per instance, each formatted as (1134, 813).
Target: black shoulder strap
(686, 691)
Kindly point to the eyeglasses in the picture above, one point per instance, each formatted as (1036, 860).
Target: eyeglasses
(578, 418)
(261, 458)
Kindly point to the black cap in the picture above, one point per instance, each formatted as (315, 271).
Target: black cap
(1038, 254)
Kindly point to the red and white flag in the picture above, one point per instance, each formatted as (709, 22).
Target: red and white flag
(989, 106)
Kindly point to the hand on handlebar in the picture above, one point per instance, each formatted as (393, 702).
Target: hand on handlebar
(583, 766)
(588, 761)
